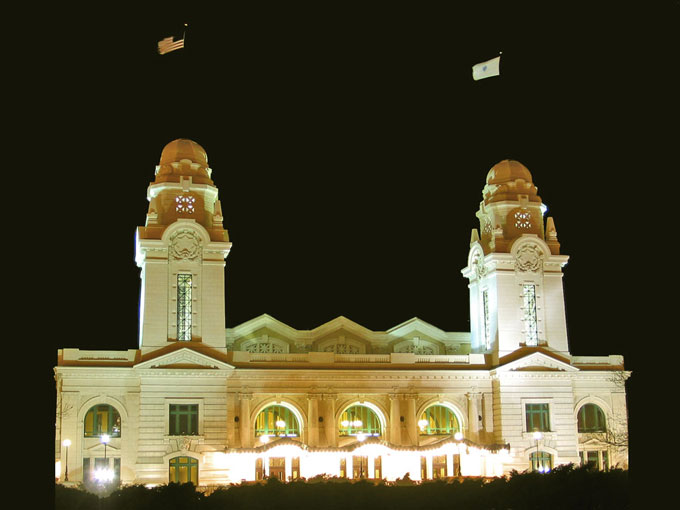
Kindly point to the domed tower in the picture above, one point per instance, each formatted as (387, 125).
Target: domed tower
(181, 251)
(515, 268)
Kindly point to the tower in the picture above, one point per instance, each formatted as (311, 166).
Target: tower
(515, 268)
(181, 251)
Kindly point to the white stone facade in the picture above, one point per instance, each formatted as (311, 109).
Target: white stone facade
(261, 399)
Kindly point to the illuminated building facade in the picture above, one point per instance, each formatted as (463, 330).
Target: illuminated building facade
(199, 402)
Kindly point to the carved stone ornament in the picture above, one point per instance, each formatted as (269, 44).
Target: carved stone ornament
(529, 258)
(185, 245)
(478, 262)
(185, 443)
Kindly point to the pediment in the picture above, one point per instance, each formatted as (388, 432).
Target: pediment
(98, 448)
(537, 362)
(185, 359)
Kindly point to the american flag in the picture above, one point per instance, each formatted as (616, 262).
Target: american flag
(167, 45)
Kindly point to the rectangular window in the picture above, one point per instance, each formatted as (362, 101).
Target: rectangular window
(537, 417)
(530, 318)
(183, 420)
(487, 332)
(184, 315)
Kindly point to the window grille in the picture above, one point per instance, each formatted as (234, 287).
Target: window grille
(277, 420)
(184, 315)
(530, 319)
(541, 461)
(183, 420)
(359, 420)
(438, 420)
(537, 417)
(102, 419)
(183, 470)
(591, 419)
(185, 204)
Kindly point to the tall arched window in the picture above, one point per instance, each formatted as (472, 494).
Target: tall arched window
(183, 470)
(102, 419)
(277, 420)
(438, 419)
(359, 420)
(591, 419)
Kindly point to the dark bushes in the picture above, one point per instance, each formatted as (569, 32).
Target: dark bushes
(566, 487)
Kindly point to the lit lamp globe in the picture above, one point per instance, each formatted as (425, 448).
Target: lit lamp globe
(458, 436)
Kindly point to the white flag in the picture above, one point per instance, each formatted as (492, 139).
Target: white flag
(167, 45)
(486, 69)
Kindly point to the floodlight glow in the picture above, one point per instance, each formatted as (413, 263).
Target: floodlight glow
(280, 424)
(103, 475)
(422, 424)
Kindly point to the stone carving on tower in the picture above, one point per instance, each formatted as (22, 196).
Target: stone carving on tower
(516, 261)
(181, 251)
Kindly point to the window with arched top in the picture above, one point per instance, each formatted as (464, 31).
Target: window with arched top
(359, 420)
(277, 420)
(438, 419)
(590, 418)
(102, 419)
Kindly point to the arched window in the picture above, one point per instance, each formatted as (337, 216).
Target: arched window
(438, 419)
(541, 461)
(277, 420)
(591, 419)
(359, 420)
(183, 470)
(102, 419)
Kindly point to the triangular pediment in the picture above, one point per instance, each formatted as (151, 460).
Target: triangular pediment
(185, 359)
(537, 362)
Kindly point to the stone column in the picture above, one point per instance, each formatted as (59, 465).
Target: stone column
(408, 411)
(473, 415)
(313, 420)
(395, 420)
(330, 427)
(244, 420)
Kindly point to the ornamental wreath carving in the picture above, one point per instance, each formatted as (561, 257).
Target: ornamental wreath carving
(185, 245)
(478, 263)
(529, 258)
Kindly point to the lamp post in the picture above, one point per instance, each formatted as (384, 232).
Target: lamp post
(66, 443)
(537, 436)
(105, 438)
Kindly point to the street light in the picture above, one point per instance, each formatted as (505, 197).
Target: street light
(105, 438)
(66, 443)
(538, 436)
(105, 475)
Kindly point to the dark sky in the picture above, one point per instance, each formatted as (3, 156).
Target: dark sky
(350, 146)
(350, 150)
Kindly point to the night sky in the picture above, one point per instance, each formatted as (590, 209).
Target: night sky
(350, 147)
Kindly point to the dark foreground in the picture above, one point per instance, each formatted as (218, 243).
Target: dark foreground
(566, 487)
